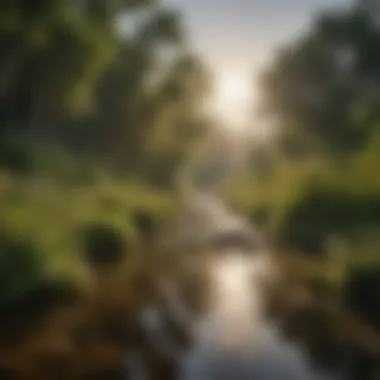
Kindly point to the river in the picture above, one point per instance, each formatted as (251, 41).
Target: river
(233, 340)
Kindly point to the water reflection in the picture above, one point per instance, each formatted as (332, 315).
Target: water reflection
(234, 342)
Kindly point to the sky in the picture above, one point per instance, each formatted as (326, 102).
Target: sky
(240, 34)
(238, 37)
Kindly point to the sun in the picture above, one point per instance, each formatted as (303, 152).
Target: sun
(232, 88)
(231, 99)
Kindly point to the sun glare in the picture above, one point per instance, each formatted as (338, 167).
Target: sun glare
(232, 88)
(231, 99)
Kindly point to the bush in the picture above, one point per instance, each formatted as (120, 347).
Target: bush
(144, 223)
(27, 295)
(20, 268)
(103, 244)
(322, 213)
(15, 155)
(361, 293)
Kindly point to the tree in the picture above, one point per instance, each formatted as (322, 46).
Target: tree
(53, 56)
(133, 99)
(317, 84)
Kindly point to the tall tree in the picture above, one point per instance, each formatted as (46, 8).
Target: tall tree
(318, 84)
(114, 77)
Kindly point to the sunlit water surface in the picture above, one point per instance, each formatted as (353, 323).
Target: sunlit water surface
(234, 341)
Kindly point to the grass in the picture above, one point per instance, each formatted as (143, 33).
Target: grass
(48, 212)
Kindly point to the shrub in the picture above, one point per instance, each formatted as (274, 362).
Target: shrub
(15, 155)
(103, 244)
(322, 213)
(20, 267)
(144, 223)
(361, 293)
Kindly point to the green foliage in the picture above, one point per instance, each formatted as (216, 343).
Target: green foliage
(145, 224)
(66, 71)
(20, 267)
(72, 77)
(16, 155)
(50, 206)
(315, 83)
(322, 213)
(362, 293)
(317, 181)
(103, 244)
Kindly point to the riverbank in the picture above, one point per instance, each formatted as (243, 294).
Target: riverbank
(313, 313)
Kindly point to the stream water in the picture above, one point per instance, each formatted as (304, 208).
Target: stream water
(233, 340)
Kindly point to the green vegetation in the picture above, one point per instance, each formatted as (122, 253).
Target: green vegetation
(99, 115)
(102, 117)
(314, 188)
